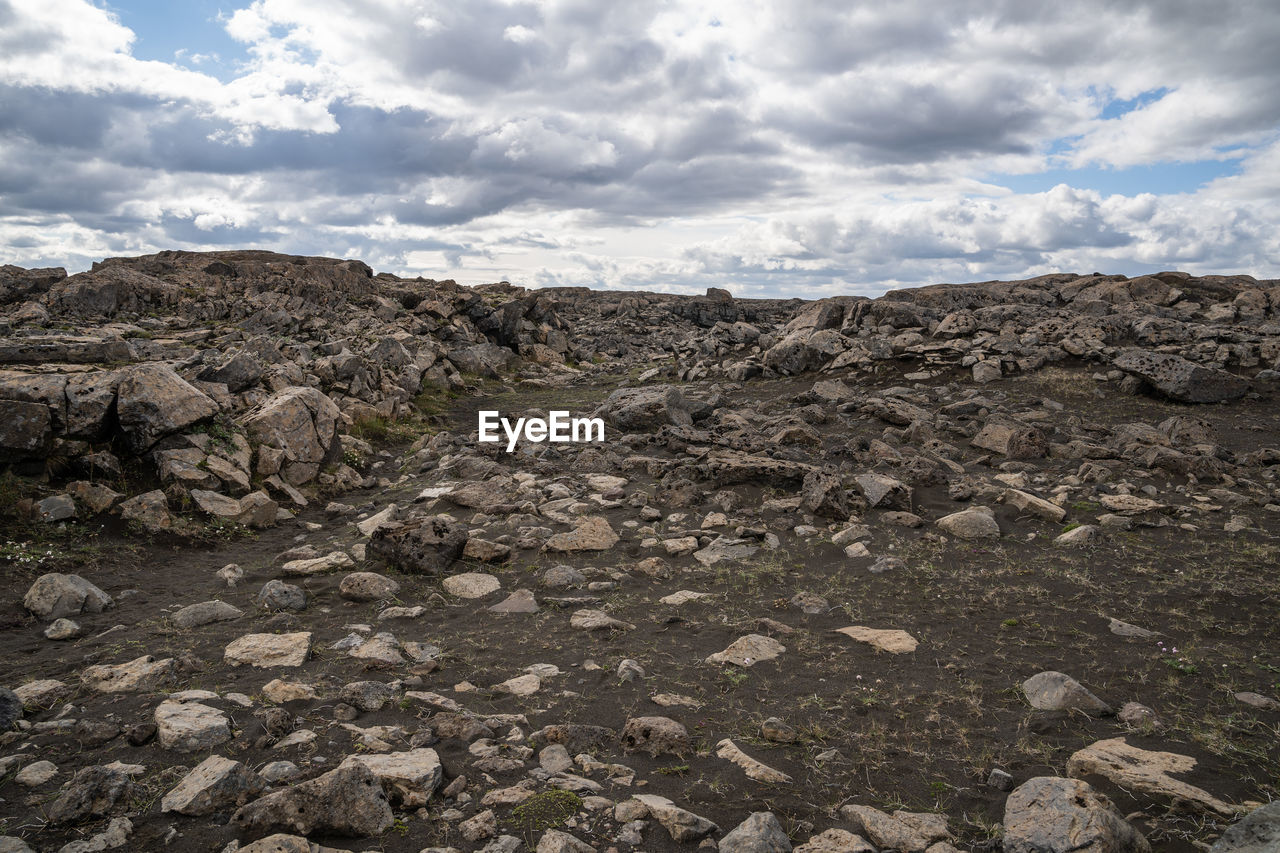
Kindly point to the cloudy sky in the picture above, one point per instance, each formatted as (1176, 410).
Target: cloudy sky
(775, 148)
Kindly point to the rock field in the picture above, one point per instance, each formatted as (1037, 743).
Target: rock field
(972, 567)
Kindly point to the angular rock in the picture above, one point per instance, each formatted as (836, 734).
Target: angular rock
(754, 769)
(93, 792)
(205, 613)
(1049, 814)
(1054, 691)
(152, 401)
(974, 523)
(409, 777)
(759, 833)
(683, 826)
(1257, 832)
(885, 639)
(748, 651)
(655, 735)
(593, 533)
(268, 650)
(346, 801)
(1145, 772)
(143, 674)
(471, 585)
(425, 546)
(55, 595)
(190, 726)
(215, 784)
(1180, 379)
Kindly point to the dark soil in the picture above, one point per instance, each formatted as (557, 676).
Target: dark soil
(917, 732)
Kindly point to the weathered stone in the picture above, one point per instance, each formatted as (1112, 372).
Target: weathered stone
(278, 595)
(215, 784)
(346, 801)
(885, 639)
(471, 585)
(1145, 772)
(655, 735)
(759, 833)
(748, 651)
(682, 825)
(55, 595)
(426, 546)
(593, 533)
(268, 650)
(190, 726)
(152, 401)
(1054, 691)
(1257, 832)
(142, 674)
(150, 509)
(1180, 379)
(205, 613)
(754, 769)
(974, 523)
(92, 792)
(645, 409)
(367, 586)
(409, 777)
(1048, 814)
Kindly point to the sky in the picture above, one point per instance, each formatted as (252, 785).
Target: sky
(773, 147)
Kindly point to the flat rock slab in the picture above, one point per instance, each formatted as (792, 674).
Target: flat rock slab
(1144, 771)
(749, 651)
(205, 613)
(410, 777)
(885, 639)
(471, 585)
(267, 650)
(190, 726)
(140, 674)
(976, 523)
(520, 601)
(592, 534)
(1049, 813)
(760, 772)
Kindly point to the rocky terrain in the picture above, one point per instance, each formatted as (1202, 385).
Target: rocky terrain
(966, 567)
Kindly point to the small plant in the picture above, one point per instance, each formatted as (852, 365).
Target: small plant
(1010, 623)
(1067, 528)
(733, 677)
(674, 770)
(1175, 661)
(546, 810)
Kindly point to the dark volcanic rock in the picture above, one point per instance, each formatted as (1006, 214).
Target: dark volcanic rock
(1180, 379)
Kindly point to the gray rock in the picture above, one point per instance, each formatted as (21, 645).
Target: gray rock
(655, 735)
(93, 792)
(346, 801)
(215, 784)
(152, 401)
(759, 833)
(1180, 379)
(10, 708)
(555, 841)
(190, 726)
(645, 409)
(1257, 832)
(278, 595)
(205, 613)
(424, 546)
(56, 508)
(63, 629)
(1054, 691)
(367, 586)
(55, 595)
(1049, 814)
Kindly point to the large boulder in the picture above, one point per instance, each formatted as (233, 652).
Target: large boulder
(424, 545)
(26, 430)
(1258, 832)
(646, 409)
(1049, 814)
(301, 423)
(1180, 379)
(152, 401)
(56, 595)
(346, 801)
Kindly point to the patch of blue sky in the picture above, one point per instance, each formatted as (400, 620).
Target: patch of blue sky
(1117, 107)
(191, 33)
(1159, 178)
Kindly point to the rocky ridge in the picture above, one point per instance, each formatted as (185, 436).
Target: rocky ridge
(782, 481)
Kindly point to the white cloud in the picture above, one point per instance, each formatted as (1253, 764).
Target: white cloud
(651, 144)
